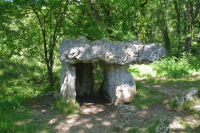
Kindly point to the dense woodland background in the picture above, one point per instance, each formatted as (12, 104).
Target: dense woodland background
(35, 28)
(31, 32)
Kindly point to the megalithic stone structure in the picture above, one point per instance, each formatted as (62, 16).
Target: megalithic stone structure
(77, 56)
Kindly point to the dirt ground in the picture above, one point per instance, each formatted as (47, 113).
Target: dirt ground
(100, 116)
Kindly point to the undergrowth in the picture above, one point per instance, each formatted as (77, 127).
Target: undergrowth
(65, 107)
(146, 97)
(173, 67)
(149, 129)
(169, 67)
(20, 79)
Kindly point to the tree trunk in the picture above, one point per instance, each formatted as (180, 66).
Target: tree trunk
(166, 38)
(164, 27)
(166, 34)
(51, 78)
(185, 26)
(177, 5)
(190, 28)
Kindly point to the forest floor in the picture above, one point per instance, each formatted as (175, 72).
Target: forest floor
(100, 116)
(21, 80)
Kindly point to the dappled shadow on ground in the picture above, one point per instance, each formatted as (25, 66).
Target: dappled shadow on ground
(171, 83)
(171, 88)
(19, 80)
(100, 116)
(92, 99)
(16, 76)
(96, 116)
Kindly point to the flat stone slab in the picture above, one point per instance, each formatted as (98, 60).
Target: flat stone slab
(77, 56)
(111, 52)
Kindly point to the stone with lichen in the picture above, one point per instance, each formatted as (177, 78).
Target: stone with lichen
(77, 56)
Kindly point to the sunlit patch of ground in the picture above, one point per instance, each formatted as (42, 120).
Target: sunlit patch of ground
(156, 99)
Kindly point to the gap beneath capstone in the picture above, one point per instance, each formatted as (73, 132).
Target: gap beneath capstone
(118, 85)
(87, 83)
(93, 99)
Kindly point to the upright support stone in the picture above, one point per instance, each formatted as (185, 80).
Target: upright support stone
(78, 55)
(67, 83)
(84, 79)
(118, 84)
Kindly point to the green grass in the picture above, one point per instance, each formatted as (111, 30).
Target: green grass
(152, 128)
(187, 106)
(20, 120)
(20, 79)
(65, 107)
(134, 130)
(146, 97)
(188, 128)
(169, 67)
(176, 73)
(173, 67)
(149, 129)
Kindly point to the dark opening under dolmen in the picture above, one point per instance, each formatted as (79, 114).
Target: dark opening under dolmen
(78, 55)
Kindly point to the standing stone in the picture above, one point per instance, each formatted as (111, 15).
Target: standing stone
(67, 81)
(84, 79)
(77, 55)
(118, 84)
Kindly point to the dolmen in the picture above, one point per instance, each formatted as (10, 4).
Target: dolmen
(79, 55)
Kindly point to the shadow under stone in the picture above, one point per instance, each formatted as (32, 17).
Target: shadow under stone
(78, 56)
(85, 86)
(92, 99)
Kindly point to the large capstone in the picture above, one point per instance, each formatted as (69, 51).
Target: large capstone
(78, 56)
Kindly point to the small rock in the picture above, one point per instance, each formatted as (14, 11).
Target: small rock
(175, 125)
(163, 127)
(127, 108)
(191, 94)
(127, 112)
(197, 108)
(56, 95)
(52, 121)
(30, 120)
(188, 96)
(180, 100)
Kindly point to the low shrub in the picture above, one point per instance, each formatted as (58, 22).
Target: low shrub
(168, 67)
(173, 67)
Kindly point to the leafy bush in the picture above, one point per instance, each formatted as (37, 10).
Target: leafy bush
(169, 67)
(173, 67)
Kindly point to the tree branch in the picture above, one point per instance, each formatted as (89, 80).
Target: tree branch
(96, 10)
(143, 4)
(42, 27)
